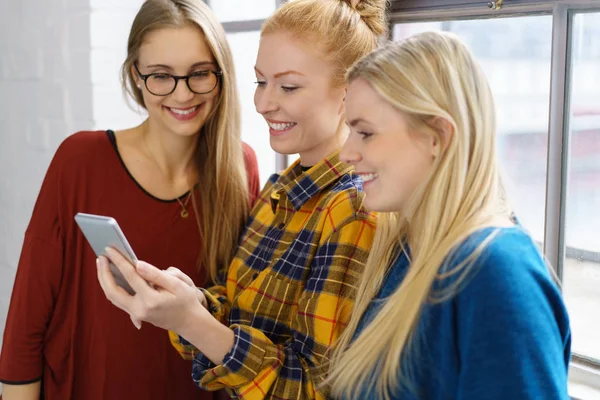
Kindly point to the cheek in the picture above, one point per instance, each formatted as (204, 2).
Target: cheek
(152, 102)
(403, 165)
(412, 168)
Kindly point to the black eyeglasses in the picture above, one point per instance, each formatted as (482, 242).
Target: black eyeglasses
(163, 84)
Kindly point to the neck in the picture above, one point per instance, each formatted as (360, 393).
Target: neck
(325, 148)
(173, 154)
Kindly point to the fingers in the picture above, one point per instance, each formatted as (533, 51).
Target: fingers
(136, 322)
(114, 293)
(186, 279)
(159, 278)
(128, 271)
(176, 272)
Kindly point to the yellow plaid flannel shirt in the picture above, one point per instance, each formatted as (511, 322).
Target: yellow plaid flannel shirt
(291, 285)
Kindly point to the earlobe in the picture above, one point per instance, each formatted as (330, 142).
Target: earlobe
(445, 132)
(136, 78)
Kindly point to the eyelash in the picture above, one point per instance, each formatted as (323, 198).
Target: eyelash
(365, 135)
(287, 89)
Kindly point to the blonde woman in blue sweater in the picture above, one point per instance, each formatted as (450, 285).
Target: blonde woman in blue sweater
(456, 301)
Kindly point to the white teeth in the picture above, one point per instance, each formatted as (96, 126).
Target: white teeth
(184, 112)
(281, 126)
(368, 177)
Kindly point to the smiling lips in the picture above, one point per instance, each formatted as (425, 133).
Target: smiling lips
(278, 128)
(367, 177)
(184, 114)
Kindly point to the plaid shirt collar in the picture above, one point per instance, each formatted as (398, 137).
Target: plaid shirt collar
(299, 186)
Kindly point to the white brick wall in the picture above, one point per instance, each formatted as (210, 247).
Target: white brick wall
(45, 93)
(58, 74)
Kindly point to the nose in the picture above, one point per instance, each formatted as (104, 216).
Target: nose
(350, 153)
(182, 93)
(264, 100)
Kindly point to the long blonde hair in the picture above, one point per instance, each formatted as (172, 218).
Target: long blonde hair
(426, 77)
(223, 208)
(347, 29)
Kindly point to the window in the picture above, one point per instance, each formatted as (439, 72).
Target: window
(242, 21)
(582, 264)
(520, 81)
(542, 59)
(255, 132)
(242, 10)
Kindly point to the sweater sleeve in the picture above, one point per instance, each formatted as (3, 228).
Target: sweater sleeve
(36, 286)
(513, 328)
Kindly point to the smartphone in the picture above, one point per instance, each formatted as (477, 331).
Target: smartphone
(102, 232)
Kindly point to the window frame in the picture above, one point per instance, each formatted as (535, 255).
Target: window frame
(240, 26)
(584, 370)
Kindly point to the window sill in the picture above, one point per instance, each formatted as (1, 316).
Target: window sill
(584, 381)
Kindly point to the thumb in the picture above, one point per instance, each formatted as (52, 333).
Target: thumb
(136, 322)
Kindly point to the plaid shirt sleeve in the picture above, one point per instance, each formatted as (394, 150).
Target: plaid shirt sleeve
(218, 305)
(257, 368)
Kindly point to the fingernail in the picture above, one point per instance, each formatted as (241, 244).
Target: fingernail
(138, 325)
(107, 249)
(97, 262)
(142, 267)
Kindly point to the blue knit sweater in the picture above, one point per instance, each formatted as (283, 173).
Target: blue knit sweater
(504, 335)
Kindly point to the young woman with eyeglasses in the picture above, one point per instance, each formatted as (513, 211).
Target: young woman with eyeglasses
(180, 185)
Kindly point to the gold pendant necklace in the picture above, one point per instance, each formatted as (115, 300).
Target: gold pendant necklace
(184, 212)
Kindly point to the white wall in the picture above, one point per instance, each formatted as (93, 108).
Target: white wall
(110, 21)
(45, 93)
(59, 65)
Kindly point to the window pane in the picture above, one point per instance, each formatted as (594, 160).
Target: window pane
(582, 264)
(514, 53)
(242, 10)
(255, 132)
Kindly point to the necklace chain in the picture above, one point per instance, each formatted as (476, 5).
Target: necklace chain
(184, 212)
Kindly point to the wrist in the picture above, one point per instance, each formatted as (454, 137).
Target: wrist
(193, 322)
(207, 334)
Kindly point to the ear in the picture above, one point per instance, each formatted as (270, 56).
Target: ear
(445, 133)
(342, 109)
(136, 77)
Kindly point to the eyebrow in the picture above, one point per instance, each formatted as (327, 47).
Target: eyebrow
(356, 121)
(280, 74)
(198, 64)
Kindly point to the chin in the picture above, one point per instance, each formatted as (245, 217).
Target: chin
(370, 206)
(189, 129)
(377, 205)
(281, 147)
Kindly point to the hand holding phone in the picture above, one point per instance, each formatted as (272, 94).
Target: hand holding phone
(102, 232)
